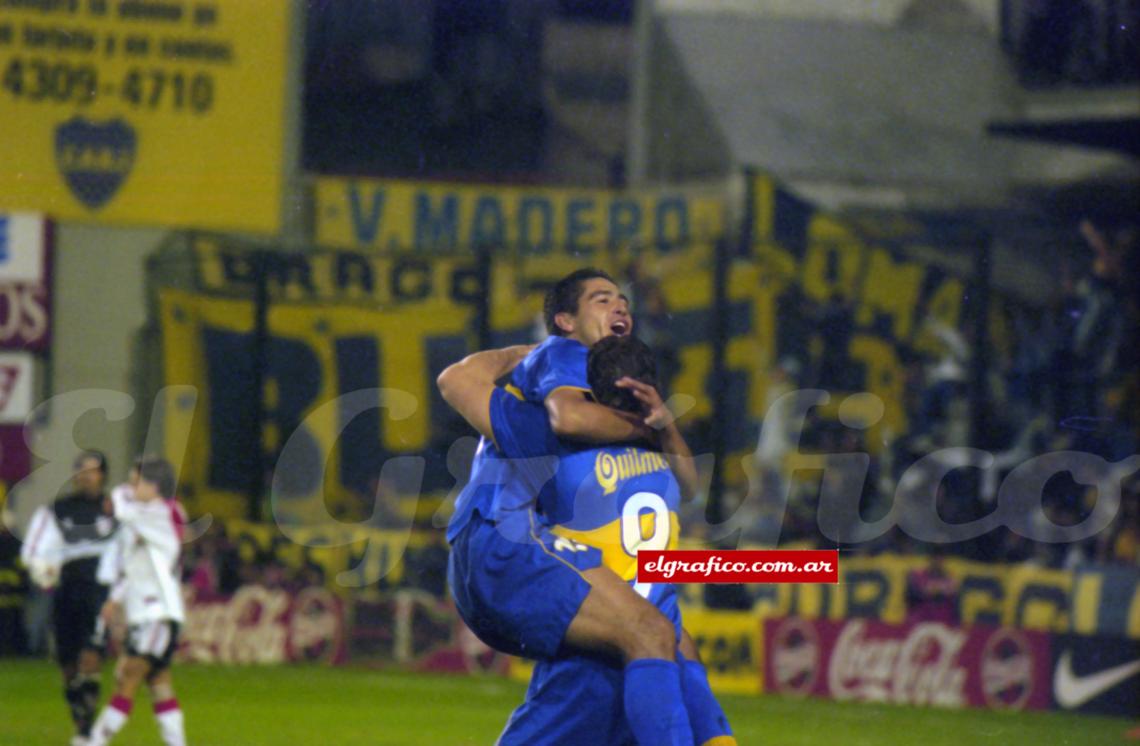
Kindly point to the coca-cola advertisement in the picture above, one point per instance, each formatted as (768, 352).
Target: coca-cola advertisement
(420, 631)
(924, 663)
(263, 625)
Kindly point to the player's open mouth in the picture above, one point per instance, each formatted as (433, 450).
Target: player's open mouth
(620, 327)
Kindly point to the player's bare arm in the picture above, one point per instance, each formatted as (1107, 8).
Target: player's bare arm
(662, 421)
(467, 385)
(575, 417)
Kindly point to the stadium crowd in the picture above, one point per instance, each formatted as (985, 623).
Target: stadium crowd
(1068, 382)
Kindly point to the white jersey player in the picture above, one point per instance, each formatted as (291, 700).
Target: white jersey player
(142, 568)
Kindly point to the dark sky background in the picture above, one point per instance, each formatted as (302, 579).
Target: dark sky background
(432, 88)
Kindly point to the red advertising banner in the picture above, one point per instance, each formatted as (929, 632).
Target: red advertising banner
(420, 631)
(25, 282)
(738, 566)
(262, 625)
(15, 457)
(927, 663)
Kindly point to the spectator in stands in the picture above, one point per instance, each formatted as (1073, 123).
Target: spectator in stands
(946, 379)
(777, 437)
(796, 316)
(837, 326)
(201, 571)
(1120, 543)
(425, 568)
(1065, 503)
(14, 588)
(274, 575)
(655, 327)
(1014, 547)
(309, 575)
(250, 573)
(761, 513)
(212, 565)
(1096, 328)
(1034, 339)
(654, 322)
(931, 593)
(382, 502)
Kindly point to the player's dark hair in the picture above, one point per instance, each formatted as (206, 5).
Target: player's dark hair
(159, 472)
(564, 296)
(91, 454)
(614, 357)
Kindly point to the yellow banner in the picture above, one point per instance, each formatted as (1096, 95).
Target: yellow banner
(730, 647)
(810, 271)
(1096, 599)
(363, 554)
(152, 112)
(729, 643)
(440, 217)
(341, 322)
(316, 354)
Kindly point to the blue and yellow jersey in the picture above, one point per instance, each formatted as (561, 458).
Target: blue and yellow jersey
(559, 362)
(617, 499)
(505, 487)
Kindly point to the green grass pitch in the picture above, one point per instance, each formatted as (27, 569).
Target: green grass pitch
(252, 706)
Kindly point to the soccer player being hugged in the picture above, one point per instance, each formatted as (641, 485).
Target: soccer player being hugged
(581, 310)
(664, 703)
(61, 551)
(142, 568)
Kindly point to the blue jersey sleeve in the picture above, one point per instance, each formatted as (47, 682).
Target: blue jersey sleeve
(556, 363)
(521, 428)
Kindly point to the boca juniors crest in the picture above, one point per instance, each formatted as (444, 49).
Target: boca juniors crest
(95, 158)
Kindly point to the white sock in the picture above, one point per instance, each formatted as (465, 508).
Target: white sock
(110, 722)
(169, 717)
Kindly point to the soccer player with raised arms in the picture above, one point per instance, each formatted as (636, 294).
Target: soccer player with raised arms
(556, 575)
(610, 501)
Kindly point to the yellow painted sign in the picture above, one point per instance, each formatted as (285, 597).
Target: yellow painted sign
(730, 647)
(426, 294)
(349, 557)
(1095, 599)
(442, 218)
(160, 112)
(342, 322)
(316, 356)
(729, 643)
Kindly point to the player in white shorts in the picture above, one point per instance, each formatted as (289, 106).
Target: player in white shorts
(142, 568)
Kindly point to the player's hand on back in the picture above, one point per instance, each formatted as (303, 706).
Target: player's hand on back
(644, 429)
(657, 415)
